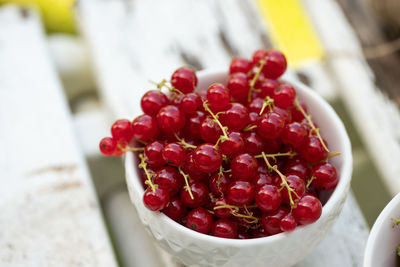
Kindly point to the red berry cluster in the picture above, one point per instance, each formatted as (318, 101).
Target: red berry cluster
(241, 160)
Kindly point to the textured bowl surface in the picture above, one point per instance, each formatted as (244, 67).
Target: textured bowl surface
(285, 249)
(384, 238)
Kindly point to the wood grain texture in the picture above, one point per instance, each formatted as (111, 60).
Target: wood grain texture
(49, 212)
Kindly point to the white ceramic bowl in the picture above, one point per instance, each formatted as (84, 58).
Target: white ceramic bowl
(384, 238)
(284, 249)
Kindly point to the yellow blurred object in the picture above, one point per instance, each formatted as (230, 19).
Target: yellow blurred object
(58, 15)
(291, 30)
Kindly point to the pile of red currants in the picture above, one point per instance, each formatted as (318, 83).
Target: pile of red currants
(241, 160)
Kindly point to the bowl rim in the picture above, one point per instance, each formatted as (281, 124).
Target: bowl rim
(335, 198)
(375, 230)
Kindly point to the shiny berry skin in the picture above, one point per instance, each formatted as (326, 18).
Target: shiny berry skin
(268, 87)
(240, 64)
(263, 179)
(298, 167)
(218, 96)
(272, 145)
(174, 154)
(296, 114)
(184, 79)
(236, 117)
(258, 233)
(144, 127)
(153, 152)
(238, 86)
(244, 167)
(107, 146)
(288, 223)
(253, 118)
(312, 150)
(175, 209)
(199, 220)
(157, 200)
(268, 198)
(253, 143)
(153, 101)
(325, 176)
(233, 146)
(170, 179)
(207, 158)
(190, 103)
(284, 113)
(243, 233)
(190, 168)
(240, 193)
(256, 104)
(259, 55)
(222, 213)
(271, 221)
(294, 134)
(284, 95)
(209, 130)
(122, 131)
(224, 228)
(270, 125)
(219, 184)
(297, 184)
(170, 119)
(275, 64)
(308, 210)
(200, 195)
(193, 124)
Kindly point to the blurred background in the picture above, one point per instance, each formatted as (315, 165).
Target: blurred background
(347, 50)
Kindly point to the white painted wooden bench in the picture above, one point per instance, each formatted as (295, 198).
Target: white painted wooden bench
(50, 215)
(134, 41)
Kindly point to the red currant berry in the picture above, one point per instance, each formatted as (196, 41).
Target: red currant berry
(199, 192)
(308, 210)
(224, 228)
(268, 87)
(209, 130)
(222, 213)
(288, 223)
(272, 145)
(233, 146)
(122, 131)
(294, 134)
(253, 118)
(153, 152)
(312, 150)
(268, 198)
(190, 103)
(256, 105)
(253, 143)
(240, 64)
(243, 233)
(236, 117)
(285, 113)
(295, 183)
(219, 183)
(275, 64)
(170, 119)
(325, 176)
(153, 101)
(258, 55)
(193, 124)
(174, 154)
(284, 95)
(184, 79)
(157, 200)
(207, 158)
(258, 233)
(270, 125)
(244, 167)
(263, 179)
(298, 167)
(107, 146)
(271, 221)
(144, 127)
(240, 193)
(238, 85)
(296, 114)
(199, 220)
(191, 169)
(218, 96)
(170, 179)
(175, 209)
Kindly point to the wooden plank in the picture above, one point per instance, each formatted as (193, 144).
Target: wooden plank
(50, 214)
(133, 47)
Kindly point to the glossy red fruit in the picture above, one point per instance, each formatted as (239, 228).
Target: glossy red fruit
(240, 193)
(259, 55)
(157, 200)
(218, 96)
(284, 113)
(256, 104)
(297, 115)
(107, 146)
(122, 131)
(253, 118)
(294, 134)
(271, 222)
(224, 228)
(153, 152)
(174, 154)
(312, 150)
(170, 119)
(175, 209)
(193, 124)
(270, 125)
(209, 130)
(190, 168)
(240, 64)
(295, 183)
(268, 87)
(272, 145)
(233, 146)
(238, 86)
(219, 183)
(253, 143)
(199, 192)
(263, 179)
(207, 158)
(184, 79)
(144, 128)
(170, 179)
(199, 220)
(190, 103)
(235, 117)
(275, 64)
(298, 167)
(268, 198)
(153, 101)
(222, 213)
(284, 95)
(288, 223)
(244, 167)
(325, 176)
(243, 233)
(308, 210)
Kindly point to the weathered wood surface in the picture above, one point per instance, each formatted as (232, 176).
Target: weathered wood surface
(49, 212)
(141, 40)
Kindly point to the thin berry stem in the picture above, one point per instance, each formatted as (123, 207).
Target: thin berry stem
(187, 178)
(163, 83)
(395, 222)
(268, 102)
(254, 80)
(141, 149)
(310, 181)
(143, 165)
(290, 154)
(207, 108)
(235, 212)
(184, 143)
(333, 154)
(249, 128)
